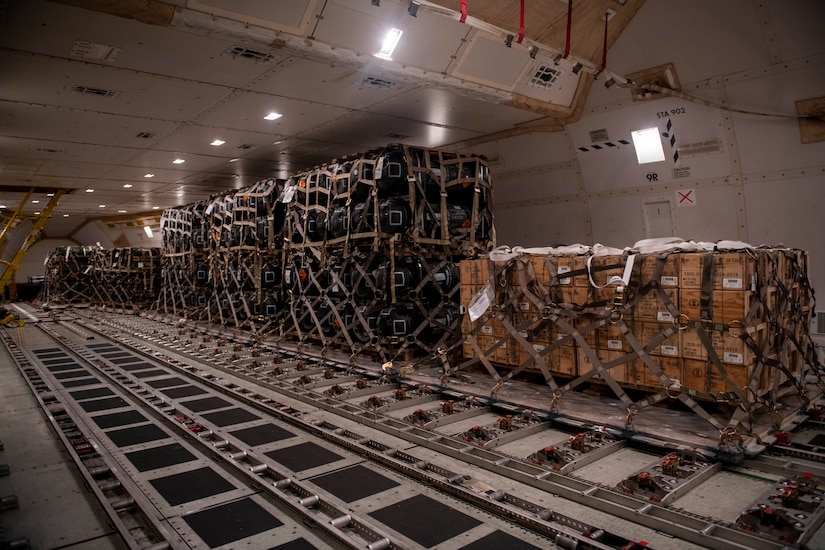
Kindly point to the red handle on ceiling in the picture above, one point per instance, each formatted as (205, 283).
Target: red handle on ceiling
(569, 24)
(463, 17)
(521, 24)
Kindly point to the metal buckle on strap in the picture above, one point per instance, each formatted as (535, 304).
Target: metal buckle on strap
(682, 321)
(735, 328)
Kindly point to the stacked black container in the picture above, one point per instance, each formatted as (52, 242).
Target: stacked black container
(372, 245)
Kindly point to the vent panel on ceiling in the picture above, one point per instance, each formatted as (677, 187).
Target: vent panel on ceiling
(544, 77)
(97, 92)
(377, 82)
(489, 61)
(240, 52)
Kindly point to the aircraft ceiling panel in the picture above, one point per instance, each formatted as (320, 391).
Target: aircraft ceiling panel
(428, 41)
(77, 126)
(246, 111)
(442, 107)
(331, 85)
(369, 130)
(294, 17)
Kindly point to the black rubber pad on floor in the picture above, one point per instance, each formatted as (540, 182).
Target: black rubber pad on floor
(80, 383)
(159, 457)
(65, 366)
(498, 540)
(101, 345)
(189, 486)
(91, 394)
(139, 434)
(303, 457)
(259, 435)
(185, 391)
(297, 544)
(137, 366)
(46, 350)
(71, 374)
(54, 355)
(206, 404)
(433, 521)
(230, 417)
(124, 360)
(230, 522)
(113, 354)
(167, 382)
(354, 483)
(149, 373)
(62, 361)
(118, 419)
(103, 404)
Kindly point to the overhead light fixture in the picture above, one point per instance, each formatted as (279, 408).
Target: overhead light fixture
(155, 207)
(149, 175)
(149, 232)
(234, 160)
(121, 211)
(178, 161)
(389, 43)
(37, 213)
(273, 116)
(90, 190)
(648, 145)
(534, 51)
(413, 9)
(49, 194)
(65, 215)
(577, 67)
(509, 40)
(127, 185)
(35, 202)
(2, 206)
(217, 142)
(101, 206)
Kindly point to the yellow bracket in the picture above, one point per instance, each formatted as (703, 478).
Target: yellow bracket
(34, 234)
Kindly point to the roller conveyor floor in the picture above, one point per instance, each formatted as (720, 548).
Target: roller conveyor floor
(197, 435)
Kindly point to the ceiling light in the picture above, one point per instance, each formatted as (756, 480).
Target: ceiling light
(101, 205)
(121, 211)
(234, 160)
(150, 175)
(389, 43)
(37, 213)
(127, 185)
(49, 194)
(273, 116)
(178, 161)
(35, 202)
(155, 207)
(90, 190)
(148, 230)
(2, 206)
(65, 215)
(217, 142)
(648, 145)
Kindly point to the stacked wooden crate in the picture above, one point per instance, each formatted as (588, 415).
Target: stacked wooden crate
(717, 324)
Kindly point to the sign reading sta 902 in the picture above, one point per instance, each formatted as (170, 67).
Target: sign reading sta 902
(672, 112)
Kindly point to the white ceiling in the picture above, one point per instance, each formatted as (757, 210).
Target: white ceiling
(174, 87)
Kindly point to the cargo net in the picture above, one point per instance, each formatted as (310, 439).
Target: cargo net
(360, 254)
(70, 278)
(721, 331)
(127, 278)
(123, 278)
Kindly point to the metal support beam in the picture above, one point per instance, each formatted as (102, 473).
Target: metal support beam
(31, 238)
(17, 212)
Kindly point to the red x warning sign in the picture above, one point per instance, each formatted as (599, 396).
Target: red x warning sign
(686, 197)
